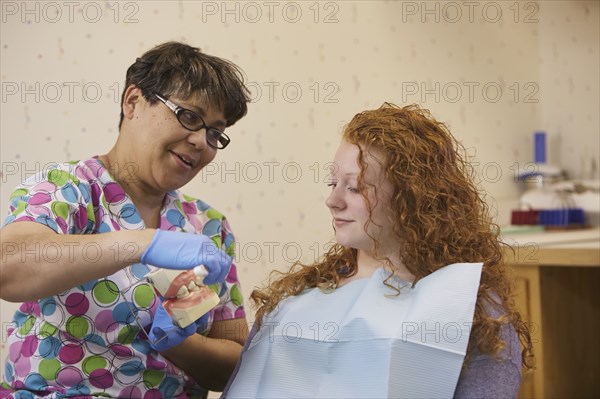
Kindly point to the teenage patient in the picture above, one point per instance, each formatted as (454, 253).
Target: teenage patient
(412, 300)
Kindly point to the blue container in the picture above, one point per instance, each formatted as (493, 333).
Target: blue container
(539, 143)
(562, 217)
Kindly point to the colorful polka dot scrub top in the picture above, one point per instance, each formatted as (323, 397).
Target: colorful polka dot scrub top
(90, 340)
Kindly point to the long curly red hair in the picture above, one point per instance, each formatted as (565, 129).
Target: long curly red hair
(439, 218)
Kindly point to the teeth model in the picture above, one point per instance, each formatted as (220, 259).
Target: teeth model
(186, 297)
(185, 311)
(183, 291)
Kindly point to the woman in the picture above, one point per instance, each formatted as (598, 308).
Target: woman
(412, 300)
(81, 237)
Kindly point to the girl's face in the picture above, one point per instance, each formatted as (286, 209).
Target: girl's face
(350, 209)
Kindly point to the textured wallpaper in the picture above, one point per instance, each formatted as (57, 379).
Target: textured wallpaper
(495, 71)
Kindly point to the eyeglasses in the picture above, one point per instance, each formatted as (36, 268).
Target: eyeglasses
(194, 122)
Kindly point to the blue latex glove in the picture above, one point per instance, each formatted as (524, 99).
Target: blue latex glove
(182, 251)
(165, 335)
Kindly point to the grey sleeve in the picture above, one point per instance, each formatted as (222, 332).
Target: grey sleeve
(491, 377)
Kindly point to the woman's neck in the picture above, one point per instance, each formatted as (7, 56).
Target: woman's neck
(147, 202)
(367, 264)
(366, 267)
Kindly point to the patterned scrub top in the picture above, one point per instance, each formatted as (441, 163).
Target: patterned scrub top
(88, 341)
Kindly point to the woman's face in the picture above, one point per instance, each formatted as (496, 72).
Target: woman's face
(347, 202)
(169, 155)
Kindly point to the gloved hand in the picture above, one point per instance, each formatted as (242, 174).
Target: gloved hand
(165, 335)
(181, 251)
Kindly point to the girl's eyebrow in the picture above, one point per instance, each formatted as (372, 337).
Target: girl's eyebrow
(347, 174)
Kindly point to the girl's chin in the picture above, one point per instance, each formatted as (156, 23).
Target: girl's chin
(348, 243)
(358, 245)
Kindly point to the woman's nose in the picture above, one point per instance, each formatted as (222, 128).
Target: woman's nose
(334, 199)
(198, 139)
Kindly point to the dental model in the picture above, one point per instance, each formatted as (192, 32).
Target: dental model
(186, 297)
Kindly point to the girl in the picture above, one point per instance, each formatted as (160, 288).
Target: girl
(412, 300)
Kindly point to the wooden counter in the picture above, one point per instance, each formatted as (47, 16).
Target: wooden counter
(557, 290)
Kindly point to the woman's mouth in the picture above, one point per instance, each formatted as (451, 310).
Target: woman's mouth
(184, 160)
(341, 222)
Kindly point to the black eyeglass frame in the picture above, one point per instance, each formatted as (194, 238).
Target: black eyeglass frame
(221, 140)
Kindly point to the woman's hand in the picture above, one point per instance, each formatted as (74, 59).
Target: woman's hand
(165, 335)
(176, 250)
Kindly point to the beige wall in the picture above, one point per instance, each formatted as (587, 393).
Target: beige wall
(569, 80)
(495, 71)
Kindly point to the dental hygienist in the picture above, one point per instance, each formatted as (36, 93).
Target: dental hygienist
(89, 323)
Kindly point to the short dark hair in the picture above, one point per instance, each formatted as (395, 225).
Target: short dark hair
(177, 69)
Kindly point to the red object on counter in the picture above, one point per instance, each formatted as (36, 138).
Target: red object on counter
(529, 216)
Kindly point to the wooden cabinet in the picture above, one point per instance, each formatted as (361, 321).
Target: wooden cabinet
(557, 290)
